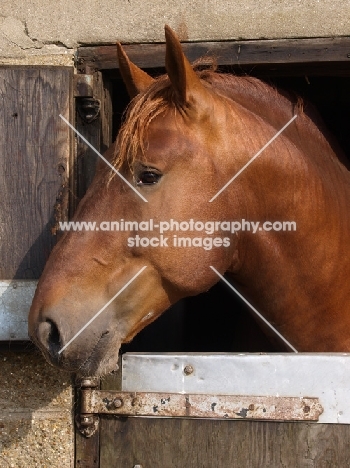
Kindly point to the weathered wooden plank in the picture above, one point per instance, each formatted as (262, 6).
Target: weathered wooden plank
(227, 52)
(98, 133)
(177, 443)
(87, 450)
(35, 151)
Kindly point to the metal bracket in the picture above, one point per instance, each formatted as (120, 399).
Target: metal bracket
(88, 107)
(15, 299)
(83, 85)
(87, 422)
(201, 406)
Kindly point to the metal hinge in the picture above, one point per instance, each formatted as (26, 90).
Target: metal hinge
(87, 422)
(88, 106)
(225, 407)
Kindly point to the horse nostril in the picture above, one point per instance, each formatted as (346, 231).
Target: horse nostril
(49, 337)
(54, 339)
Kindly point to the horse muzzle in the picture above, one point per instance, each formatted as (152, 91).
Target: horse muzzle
(90, 351)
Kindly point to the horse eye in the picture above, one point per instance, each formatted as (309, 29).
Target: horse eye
(148, 178)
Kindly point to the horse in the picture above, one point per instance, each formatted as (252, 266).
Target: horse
(186, 134)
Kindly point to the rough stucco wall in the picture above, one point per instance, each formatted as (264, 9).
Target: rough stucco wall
(36, 423)
(51, 27)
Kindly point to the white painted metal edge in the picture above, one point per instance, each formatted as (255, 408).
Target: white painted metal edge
(324, 376)
(15, 299)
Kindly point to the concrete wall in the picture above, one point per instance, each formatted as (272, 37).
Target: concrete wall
(52, 28)
(36, 423)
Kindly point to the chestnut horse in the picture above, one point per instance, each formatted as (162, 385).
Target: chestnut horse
(186, 134)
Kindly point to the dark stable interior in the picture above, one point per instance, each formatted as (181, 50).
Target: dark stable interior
(218, 321)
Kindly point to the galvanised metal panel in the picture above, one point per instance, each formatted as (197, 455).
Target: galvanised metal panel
(15, 299)
(323, 376)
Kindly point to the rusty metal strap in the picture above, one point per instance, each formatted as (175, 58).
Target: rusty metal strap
(201, 406)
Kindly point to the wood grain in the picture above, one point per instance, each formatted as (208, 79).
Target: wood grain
(98, 133)
(290, 51)
(35, 152)
(171, 443)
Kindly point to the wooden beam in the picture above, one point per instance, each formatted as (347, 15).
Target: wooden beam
(292, 51)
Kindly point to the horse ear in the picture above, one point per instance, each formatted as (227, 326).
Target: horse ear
(135, 79)
(186, 83)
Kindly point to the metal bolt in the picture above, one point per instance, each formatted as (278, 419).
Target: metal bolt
(251, 407)
(137, 466)
(117, 403)
(87, 420)
(188, 369)
(114, 404)
(306, 409)
(348, 55)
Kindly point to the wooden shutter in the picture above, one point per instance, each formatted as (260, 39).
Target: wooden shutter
(35, 170)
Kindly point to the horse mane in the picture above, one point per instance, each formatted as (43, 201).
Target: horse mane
(141, 111)
(274, 106)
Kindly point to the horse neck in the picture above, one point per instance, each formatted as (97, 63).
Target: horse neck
(295, 276)
(301, 162)
(302, 156)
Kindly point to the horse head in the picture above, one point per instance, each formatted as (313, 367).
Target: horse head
(171, 150)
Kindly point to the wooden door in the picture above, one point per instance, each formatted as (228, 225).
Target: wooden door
(36, 152)
(35, 148)
(136, 442)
